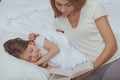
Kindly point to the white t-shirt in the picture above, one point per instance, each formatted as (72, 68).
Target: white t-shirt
(69, 57)
(85, 36)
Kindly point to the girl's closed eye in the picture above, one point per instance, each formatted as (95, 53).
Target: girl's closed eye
(31, 50)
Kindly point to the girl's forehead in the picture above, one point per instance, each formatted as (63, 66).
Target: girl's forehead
(29, 47)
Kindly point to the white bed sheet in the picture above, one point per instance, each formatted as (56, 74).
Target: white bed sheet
(25, 18)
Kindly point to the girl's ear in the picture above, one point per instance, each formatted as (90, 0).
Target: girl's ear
(33, 43)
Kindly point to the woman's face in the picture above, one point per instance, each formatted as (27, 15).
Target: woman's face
(31, 54)
(64, 6)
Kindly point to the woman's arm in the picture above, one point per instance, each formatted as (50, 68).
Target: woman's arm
(109, 39)
(52, 49)
(110, 45)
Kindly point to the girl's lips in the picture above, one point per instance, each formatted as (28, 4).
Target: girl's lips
(36, 60)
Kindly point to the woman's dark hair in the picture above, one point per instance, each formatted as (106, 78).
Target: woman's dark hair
(78, 4)
(15, 46)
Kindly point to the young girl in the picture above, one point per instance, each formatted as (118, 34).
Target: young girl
(41, 50)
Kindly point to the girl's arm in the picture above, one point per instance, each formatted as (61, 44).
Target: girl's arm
(52, 49)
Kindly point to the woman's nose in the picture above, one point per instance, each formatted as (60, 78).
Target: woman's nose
(63, 9)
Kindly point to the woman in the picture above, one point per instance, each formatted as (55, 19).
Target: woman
(85, 24)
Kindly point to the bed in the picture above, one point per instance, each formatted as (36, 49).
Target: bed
(18, 18)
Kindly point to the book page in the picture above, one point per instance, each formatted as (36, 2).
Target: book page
(62, 72)
(58, 77)
(79, 70)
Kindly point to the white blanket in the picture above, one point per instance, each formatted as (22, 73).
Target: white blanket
(69, 57)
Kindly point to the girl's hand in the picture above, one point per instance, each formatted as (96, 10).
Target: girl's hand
(33, 36)
(44, 65)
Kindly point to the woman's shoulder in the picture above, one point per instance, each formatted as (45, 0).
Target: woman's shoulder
(91, 5)
(92, 2)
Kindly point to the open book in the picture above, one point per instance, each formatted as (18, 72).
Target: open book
(65, 74)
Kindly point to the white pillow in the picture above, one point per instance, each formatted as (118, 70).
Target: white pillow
(12, 68)
(6, 35)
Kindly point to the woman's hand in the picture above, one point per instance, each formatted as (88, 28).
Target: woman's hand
(82, 77)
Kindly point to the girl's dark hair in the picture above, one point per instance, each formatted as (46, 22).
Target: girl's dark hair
(15, 46)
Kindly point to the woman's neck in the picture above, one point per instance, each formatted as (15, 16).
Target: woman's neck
(74, 18)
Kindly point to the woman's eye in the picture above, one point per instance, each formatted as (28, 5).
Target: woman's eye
(69, 4)
(58, 4)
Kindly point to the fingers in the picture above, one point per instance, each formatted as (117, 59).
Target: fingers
(38, 63)
(44, 65)
(33, 36)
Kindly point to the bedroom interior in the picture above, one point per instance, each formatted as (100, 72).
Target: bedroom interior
(18, 18)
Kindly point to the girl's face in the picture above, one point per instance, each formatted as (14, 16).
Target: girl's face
(31, 54)
(64, 6)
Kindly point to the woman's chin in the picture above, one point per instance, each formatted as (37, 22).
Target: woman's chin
(65, 15)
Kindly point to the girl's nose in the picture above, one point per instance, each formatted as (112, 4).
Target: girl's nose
(35, 52)
(35, 56)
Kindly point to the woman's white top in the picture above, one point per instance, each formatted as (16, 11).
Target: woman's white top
(86, 36)
(69, 57)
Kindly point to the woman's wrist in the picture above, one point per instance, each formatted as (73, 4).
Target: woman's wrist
(95, 66)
